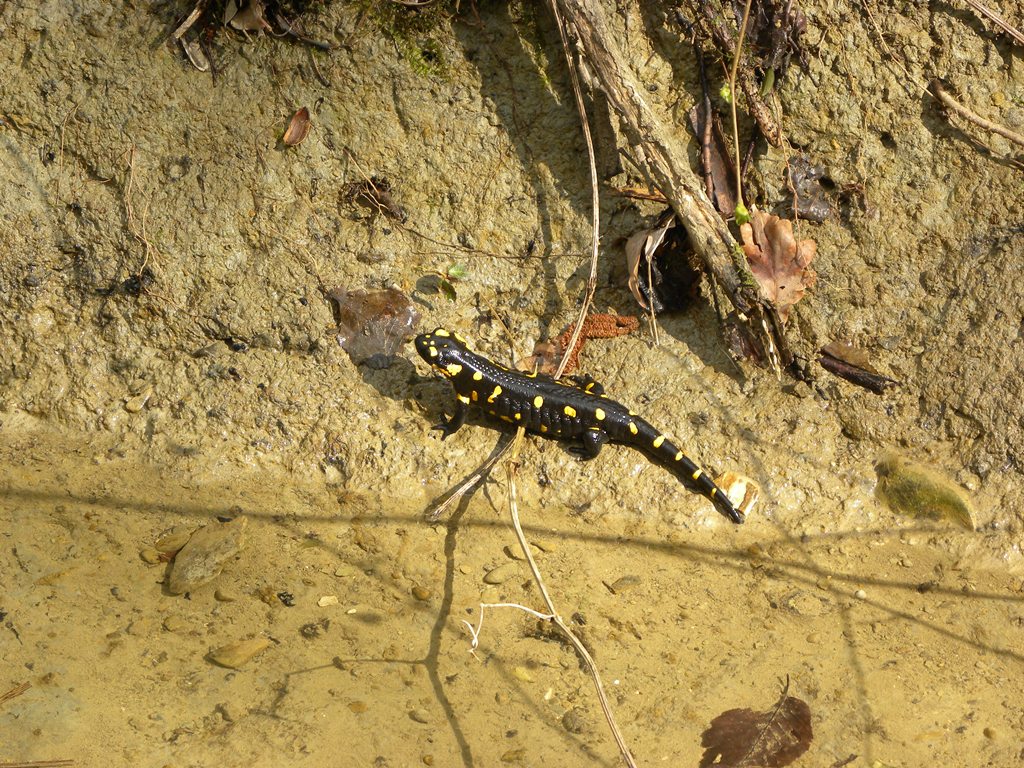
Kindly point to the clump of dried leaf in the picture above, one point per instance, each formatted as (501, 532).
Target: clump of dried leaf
(661, 268)
(298, 128)
(372, 325)
(375, 193)
(743, 738)
(779, 263)
(547, 355)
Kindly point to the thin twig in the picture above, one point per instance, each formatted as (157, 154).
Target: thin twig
(191, 19)
(39, 764)
(732, 102)
(15, 692)
(943, 95)
(555, 618)
(594, 191)
(998, 20)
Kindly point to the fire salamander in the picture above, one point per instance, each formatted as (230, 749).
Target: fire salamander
(570, 409)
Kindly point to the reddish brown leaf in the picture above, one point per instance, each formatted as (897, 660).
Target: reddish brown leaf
(743, 738)
(297, 129)
(779, 263)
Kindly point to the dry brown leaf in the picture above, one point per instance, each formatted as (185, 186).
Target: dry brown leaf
(779, 263)
(250, 18)
(641, 246)
(298, 128)
(743, 738)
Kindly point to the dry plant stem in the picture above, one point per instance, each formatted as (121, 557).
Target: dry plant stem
(998, 20)
(943, 95)
(667, 164)
(732, 101)
(473, 479)
(594, 192)
(15, 692)
(555, 618)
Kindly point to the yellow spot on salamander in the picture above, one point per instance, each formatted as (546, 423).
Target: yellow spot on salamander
(543, 427)
(505, 418)
(632, 412)
(570, 411)
(462, 399)
(494, 394)
(433, 351)
(714, 491)
(696, 473)
(442, 333)
(518, 416)
(599, 414)
(658, 441)
(454, 369)
(459, 339)
(474, 395)
(538, 401)
(477, 376)
(679, 455)
(632, 428)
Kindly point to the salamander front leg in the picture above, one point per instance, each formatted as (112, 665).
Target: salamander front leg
(447, 426)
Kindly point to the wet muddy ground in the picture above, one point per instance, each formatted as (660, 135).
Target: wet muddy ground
(168, 360)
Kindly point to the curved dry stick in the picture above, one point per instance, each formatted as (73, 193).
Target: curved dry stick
(553, 615)
(594, 192)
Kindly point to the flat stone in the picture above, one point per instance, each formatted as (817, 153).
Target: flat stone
(235, 655)
(202, 558)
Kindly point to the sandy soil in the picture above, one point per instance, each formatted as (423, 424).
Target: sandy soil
(216, 388)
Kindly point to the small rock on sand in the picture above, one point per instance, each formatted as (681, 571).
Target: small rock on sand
(202, 558)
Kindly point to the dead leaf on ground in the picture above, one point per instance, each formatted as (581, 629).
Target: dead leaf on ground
(743, 738)
(640, 247)
(779, 263)
(298, 128)
(249, 18)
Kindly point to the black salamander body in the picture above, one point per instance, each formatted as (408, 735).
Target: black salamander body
(569, 409)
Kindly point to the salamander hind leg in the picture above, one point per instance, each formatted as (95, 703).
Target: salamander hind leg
(591, 443)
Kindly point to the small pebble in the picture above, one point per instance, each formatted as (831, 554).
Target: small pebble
(358, 706)
(235, 655)
(174, 623)
(522, 673)
(205, 554)
(624, 584)
(814, 638)
(514, 755)
(137, 403)
(573, 721)
(327, 600)
(990, 733)
(501, 574)
(225, 595)
(860, 594)
(420, 716)
(422, 593)
(428, 759)
(150, 556)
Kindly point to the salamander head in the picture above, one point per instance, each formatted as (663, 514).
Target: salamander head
(441, 348)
